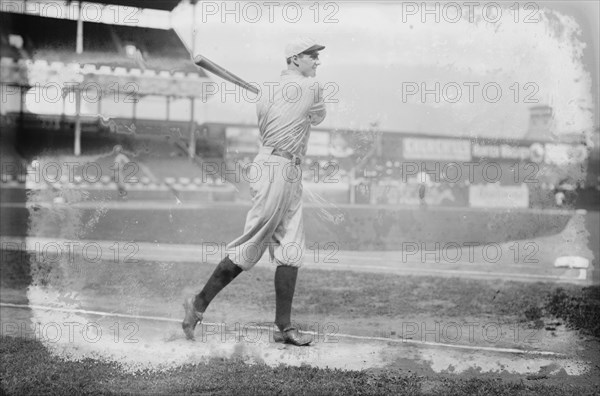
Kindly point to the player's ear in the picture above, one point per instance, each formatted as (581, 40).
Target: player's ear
(294, 59)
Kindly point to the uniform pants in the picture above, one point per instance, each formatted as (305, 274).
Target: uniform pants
(275, 220)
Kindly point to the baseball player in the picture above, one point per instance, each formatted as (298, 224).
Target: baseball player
(285, 115)
(121, 161)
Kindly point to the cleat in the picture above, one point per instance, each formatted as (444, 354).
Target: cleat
(291, 335)
(191, 319)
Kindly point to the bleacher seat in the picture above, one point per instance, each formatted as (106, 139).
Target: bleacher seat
(103, 44)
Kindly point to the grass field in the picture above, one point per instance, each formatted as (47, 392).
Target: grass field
(363, 304)
(363, 228)
(347, 298)
(28, 369)
(360, 303)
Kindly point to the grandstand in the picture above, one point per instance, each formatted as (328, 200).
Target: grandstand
(127, 85)
(388, 167)
(137, 88)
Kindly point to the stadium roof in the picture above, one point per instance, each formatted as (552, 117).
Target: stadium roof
(39, 50)
(165, 5)
(54, 40)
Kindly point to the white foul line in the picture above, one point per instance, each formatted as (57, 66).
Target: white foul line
(356, 337)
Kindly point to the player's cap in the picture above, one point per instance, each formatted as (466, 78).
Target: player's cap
(301, 45)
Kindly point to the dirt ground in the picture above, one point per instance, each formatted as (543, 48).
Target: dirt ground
(133, 316)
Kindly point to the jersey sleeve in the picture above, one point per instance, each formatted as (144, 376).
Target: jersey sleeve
(317, 111)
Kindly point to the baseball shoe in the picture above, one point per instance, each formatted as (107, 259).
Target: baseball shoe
(191, 319)
(291, 335)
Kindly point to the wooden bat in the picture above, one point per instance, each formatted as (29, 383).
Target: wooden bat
(225, 74)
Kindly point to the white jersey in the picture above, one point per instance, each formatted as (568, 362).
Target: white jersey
(287, 110)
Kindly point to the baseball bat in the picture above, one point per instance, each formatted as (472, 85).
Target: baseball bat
(225, 74)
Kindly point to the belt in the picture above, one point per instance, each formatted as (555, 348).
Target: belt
(286, 154)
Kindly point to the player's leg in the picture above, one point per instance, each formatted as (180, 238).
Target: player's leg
(223, 274)
(271, 199)
(244, 252)
(289, 255)
(285, 285)
(195, 306)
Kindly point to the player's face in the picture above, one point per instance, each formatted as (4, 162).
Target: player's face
(307, 64)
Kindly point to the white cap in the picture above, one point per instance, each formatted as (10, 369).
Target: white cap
(301, 45)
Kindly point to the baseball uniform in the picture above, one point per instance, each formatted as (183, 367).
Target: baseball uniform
(285, 115)
(285, 112)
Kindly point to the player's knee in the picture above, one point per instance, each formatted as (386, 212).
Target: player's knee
(291, 255)
(291, 265)
(238, 261)
(246, 255)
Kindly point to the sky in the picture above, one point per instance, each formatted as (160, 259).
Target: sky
(441, 68)
(486, 69)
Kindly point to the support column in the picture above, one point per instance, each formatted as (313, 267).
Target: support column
(77, 122)
(136, 99)
(195, 5)
(192, 145)
(351, 178)
(22, 104)
(22, 97)
(168, 108)
(79, 44)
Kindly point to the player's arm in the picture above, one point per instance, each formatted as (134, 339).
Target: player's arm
(317, 111)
